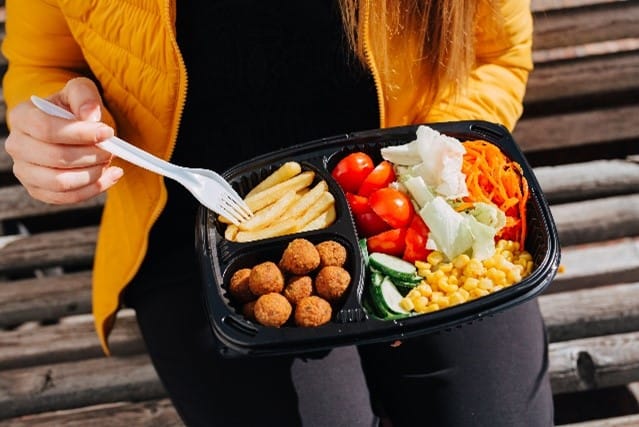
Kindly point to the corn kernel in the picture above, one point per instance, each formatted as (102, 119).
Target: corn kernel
(442, 301)
(447, 287)
(477, 292)
(485, 284)
(407, 304)
(422, 265)
(431, 307)
(460, 261)
(470, 283)
(435, 258)
(421, 303)
(456, 298)
(424, 289)
(413, 293)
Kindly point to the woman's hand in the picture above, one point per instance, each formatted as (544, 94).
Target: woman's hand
(57, 160)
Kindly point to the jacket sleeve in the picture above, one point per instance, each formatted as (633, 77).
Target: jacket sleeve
(497, 84)
(41, 52)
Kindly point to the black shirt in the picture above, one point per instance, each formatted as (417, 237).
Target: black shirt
(261, 75)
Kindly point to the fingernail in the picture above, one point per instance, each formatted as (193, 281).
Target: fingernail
(90, 112)
(116, 173)
(103, 132)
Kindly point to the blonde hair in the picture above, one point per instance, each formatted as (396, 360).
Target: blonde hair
(434, 38)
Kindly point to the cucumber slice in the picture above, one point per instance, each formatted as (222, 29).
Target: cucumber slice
(391, 296)
(363, 247)
(393, 266)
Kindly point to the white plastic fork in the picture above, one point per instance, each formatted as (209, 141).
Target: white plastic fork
(208, 187)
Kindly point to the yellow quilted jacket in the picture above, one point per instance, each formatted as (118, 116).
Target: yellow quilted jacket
(129, 47)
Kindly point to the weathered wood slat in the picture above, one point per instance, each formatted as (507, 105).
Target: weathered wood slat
(625, 421)
(48, 297)
(589, 180)
(591, 312)
(72, 339)
(548, 5)
(72, 247)
(15, 202)
(574, 365)
(599, 126)
(6, 164)
(597, 362)
(590, 265)
(587, 24)
(74, 384)
(582, 77)
(152, 413)
(597, 220)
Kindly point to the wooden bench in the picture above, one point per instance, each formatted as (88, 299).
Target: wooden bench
(580, 133)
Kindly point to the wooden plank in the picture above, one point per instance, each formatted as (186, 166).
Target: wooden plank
(546, 5)
(6, 164)
(15, 203)
(597, 220)
(72, 339)
(603, 125)
(150, 413)
(589, 265)
(589, 76)
(73, 247)
(586, 313)
(623, 421)
(588, 23)
(588, 180)
(574, 365)
(44, 298)
(597, 362)
(80, 383)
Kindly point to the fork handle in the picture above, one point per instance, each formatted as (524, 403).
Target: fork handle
(116, 146)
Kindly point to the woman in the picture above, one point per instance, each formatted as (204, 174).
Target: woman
(263, 75)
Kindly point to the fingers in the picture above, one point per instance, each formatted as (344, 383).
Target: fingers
(82, 98)
(28, 149)
(68, 185)
(57, 160)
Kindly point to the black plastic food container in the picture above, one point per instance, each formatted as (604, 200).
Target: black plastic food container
(351, 323)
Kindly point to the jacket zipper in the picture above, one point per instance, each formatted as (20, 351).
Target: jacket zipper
(370, 61)
(169, 16)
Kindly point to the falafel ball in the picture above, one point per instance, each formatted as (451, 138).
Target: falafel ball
(312, 311)
(266, 277)
(331, 282)
(331, 253)
(239, 286)
(300, 257)
(248, 310)
(272, 309)
(298, 287)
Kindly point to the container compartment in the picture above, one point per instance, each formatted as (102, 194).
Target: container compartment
(351, 323)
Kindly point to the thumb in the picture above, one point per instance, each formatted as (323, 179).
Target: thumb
(82, 97)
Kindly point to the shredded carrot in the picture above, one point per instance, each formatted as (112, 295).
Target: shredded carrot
(492, 177)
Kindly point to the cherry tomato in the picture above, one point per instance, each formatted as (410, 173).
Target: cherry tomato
(392, 242)
(369, 223)
(416, 237)
(357, 203)
(351, 171)
(380, 177)
(392, 206)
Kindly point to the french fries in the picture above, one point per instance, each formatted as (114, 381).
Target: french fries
(285, 202)
(284, 172)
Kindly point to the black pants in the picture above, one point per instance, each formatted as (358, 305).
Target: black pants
(491, 373)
